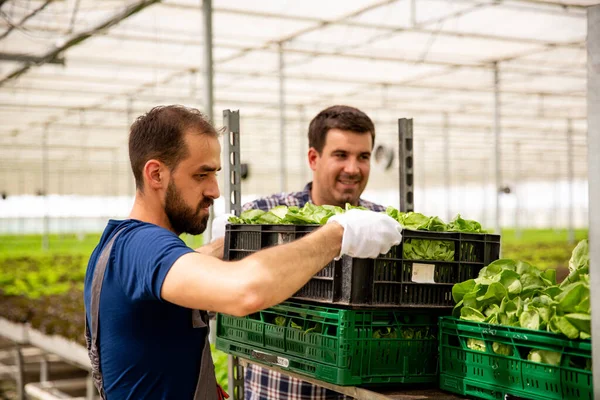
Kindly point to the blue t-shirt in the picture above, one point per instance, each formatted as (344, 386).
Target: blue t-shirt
(148, 347)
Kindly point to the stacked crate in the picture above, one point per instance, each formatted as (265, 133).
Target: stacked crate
(358, 321)
(489, 375)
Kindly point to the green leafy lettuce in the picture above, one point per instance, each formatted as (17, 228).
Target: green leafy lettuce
(515, 293)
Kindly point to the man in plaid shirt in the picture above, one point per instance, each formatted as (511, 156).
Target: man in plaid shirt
(340, 140)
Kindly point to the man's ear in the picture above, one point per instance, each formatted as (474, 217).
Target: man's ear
(313, 157)
(155, 175)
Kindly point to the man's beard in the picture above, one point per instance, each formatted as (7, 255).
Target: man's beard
(184, 219)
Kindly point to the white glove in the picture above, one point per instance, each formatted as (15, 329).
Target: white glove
(367, 234)
(218, 226)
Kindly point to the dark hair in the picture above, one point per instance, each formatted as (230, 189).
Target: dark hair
(344, 118)
(159, 134)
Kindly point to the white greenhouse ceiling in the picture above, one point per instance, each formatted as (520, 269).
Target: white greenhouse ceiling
(80, 71)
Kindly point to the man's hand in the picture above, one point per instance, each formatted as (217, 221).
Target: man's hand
(367, 234)
(214, 249)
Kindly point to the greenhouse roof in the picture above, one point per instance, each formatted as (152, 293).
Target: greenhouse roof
(80, 71)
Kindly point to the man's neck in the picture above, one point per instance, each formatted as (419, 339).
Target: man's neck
(143, 210)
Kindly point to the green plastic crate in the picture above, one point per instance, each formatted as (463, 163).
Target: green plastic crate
(336, 345)
(487, 375)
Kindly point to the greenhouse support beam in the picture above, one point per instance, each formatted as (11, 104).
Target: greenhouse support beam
(208, 97)
(497, 147)
(446, 128)
(557, 114)
(554, 221)
(593, 110)
(80, 37)
(28, 58)
(20, 373)
(129, 117)
(208, 89)
(303, 139)
(90, 387)
(406, 165)
(115, 173)
(570, 179)
(484, 191)
(421, 157)
(282, 153)
(232, 191)
(19, 24)
(232, 188)
(45, 179)
(44, 368)
(329, 78)
(518, 232)
(354, 23)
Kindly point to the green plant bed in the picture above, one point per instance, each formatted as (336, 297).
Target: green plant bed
(46, 291)
(61, 315)
(544, 248)
(31, 245)
(531, 235)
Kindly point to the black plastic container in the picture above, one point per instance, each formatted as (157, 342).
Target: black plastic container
(390, 280)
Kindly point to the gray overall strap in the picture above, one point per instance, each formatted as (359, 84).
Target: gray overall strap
(92, 336)
(206, 388)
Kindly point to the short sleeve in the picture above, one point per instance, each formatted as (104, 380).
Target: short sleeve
(142, 258)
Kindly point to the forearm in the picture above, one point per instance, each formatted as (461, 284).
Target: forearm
(256, 282)
(284, 269)
(213, 249)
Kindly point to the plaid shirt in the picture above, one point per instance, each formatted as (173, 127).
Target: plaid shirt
(297, 199)
(262, 383)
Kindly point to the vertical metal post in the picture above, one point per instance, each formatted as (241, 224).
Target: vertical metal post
(21, 184)
(115, 172)
(517, 190)
(20, 373)
(556, 195)
(232, 166)
(208, 100)
(129, 116)
(303, 149)
(83, 153)
(447, 165)
(44, 368)
(90, 393)
(22, 189)
(208, 95)
(484, 186)
(45, 179)
(423, 177)
(282, 155)
(570, 172)
(593, 124)
(61, 180)
(193, 82)
(405, 164)
(233, 204)
(208, 58)
(235, 374)
(413, 13)
(498, 153)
